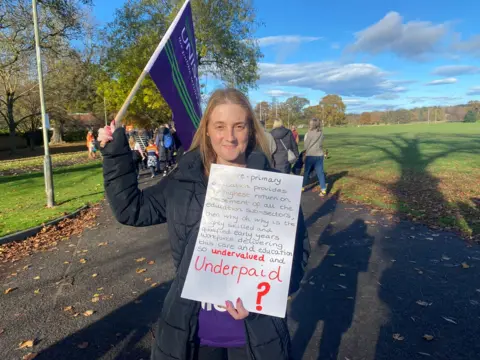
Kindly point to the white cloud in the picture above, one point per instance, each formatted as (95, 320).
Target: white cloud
(412, 40)
(445, 81)
(474, 90)
(280, 93)
(335, 46)
(471, 46)
(285, 39)
(358, 79)
(387, 96)
(456, 70)
(437, 99)
(353, 102)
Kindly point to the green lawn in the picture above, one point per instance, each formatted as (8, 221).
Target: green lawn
(23, 202)
(430, 172)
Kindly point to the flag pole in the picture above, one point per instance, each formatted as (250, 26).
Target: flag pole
(128, 100)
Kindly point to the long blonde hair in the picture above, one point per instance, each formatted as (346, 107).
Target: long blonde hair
(256, 137)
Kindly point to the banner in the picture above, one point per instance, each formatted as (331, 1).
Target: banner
(174, 69)
(246, 240)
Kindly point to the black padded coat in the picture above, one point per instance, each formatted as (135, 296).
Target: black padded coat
(178, 200)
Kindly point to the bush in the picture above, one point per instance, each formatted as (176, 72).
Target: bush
(78, 135)
(470, 117)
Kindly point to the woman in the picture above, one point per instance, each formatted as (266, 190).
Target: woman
(296, 136)
(285, 141)
(228, 134)
(314, 155)
(91, 145)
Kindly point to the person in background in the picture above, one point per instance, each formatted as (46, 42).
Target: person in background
(295, 134)
(284, 141)
(314, 155)
(271, 141)
(168, 144)
(137, 154)
(152, 156)
(230, 135)
(179, 150)
(91, 145)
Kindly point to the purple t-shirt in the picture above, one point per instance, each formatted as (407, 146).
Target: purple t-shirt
(217, 328)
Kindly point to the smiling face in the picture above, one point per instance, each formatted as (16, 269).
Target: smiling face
(228, 130)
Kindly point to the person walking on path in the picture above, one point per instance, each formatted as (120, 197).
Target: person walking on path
(152, 157)
(91, 145)
(137, 154)
(230, 135)
(314, 155)
(285, 142)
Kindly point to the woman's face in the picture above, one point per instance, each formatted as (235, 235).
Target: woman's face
(228, 130)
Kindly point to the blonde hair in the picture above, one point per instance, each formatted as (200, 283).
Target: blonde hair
(277, 123)
(131, 142)
(256, 137)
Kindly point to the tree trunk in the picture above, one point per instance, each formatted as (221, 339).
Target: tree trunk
(57, 133)
(11, 122)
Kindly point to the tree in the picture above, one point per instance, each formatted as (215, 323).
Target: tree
(295, 106)
(262, 110)
(470, 117)
(365, 119)
(224, 48)
(333, 110)
(312, 112)
(59, 22)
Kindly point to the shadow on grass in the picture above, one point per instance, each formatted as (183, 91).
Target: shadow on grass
(65, 170)
(79, 197)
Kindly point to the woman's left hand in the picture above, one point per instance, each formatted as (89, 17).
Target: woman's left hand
(238, 312)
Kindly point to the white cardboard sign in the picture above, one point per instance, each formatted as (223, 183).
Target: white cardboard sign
(246, 240)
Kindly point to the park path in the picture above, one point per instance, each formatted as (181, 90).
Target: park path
(375, 286)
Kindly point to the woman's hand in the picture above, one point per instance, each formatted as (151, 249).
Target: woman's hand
(105, 134)
(238, 313)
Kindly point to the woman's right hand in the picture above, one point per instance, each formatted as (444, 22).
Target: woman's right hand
(105, 134)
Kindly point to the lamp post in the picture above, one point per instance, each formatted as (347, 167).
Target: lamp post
(47, 162)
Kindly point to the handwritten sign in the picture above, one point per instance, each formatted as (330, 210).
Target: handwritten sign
(246, 240)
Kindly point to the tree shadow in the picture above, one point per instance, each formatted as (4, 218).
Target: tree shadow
(125, 327)
(79, 197)
(333, 178)
(329, 293)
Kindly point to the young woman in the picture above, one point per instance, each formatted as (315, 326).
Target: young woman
(285, 141)
(230, 135)
(314, 155)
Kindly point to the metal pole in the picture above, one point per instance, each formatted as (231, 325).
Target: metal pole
(47, 164)
(105, 109)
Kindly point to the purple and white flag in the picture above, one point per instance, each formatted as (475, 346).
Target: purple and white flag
(174, 69)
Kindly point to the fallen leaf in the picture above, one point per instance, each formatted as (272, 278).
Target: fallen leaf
(147, 279)
(102, 244)
(2, 331)
(83, 345)
(36, 278)
(428, 337)
(26, 267)
(13, 274)
(423, 303)
(9, 290)
(75, 314)
(26, 344)
(88, 313)
(36, 291)
(29, 356)
(140, 259)
(66, 262)
(85, 251)
(94, 275)
(151, 262)
(153, 285)
(68, 308)
(95, 299)
(398, 337)
(139, 271)
(449, 320)
(100, 289)
(465, 265)
(96, 295)
(83, 261)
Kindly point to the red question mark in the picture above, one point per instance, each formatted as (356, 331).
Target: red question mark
(266, 288)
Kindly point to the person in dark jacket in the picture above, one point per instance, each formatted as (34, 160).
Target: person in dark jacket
(285, 141)
(228, 134)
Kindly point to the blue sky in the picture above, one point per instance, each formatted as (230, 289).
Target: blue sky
(377, 55)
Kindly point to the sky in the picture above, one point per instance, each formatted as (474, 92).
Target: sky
(377, 55)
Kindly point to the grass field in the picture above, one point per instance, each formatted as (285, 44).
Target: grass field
(23, 202)
(429, 172)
